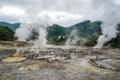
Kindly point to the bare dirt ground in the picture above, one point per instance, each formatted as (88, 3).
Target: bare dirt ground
(60, 63)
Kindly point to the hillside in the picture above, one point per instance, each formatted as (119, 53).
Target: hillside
(86, 30)
(87, 33)
(11, 26)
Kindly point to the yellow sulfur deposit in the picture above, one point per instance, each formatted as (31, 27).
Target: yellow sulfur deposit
(14, 59)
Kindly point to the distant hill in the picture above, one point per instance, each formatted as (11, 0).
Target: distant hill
(11, 26)
(86, 30)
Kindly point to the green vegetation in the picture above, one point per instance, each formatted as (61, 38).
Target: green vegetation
(13, 27)
(88, 32)
(6, 34)
(93, 41)
(56, 34)
(87, 29)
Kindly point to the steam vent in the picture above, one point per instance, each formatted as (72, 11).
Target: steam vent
(59, 39)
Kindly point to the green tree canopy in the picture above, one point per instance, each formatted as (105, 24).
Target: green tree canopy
(6, 34)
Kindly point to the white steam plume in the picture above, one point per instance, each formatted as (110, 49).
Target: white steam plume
(110, 19)
(42, 35)
(73, 38)
(42, 40)
(105, 10)
(25, 31)
(39, 24)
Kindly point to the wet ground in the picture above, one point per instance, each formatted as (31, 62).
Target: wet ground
(61, 63)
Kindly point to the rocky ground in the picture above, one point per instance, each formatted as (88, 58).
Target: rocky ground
(58, 63)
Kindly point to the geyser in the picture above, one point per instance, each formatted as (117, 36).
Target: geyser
(110, 18)
(25, 32)
(73, 38)
(105, 10)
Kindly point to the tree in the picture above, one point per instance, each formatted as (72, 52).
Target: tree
(6, 34)
(56, 34)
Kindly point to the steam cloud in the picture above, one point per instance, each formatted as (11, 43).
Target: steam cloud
(108, 12)
(105, 10)
(110, 18)
(25, 31)
(73, 38)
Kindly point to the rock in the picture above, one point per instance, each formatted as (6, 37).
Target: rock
(44, 57)
(110, 64)
(31, 56)
(59, 59)
(7, 52)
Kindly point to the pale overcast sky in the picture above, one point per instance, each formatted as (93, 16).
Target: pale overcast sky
(63, 12)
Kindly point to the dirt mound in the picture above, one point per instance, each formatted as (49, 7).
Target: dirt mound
(13, 43)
